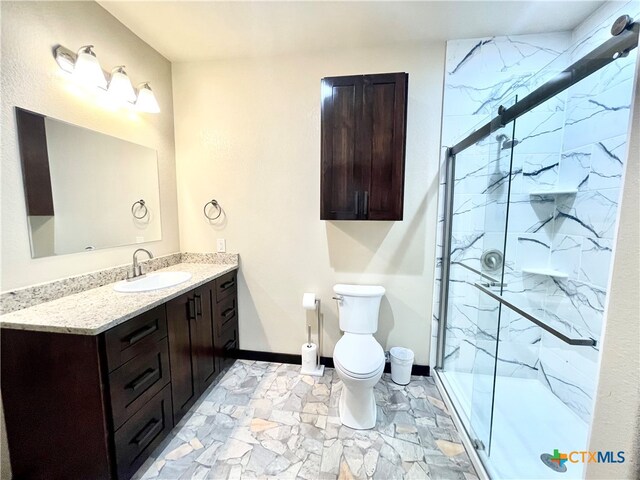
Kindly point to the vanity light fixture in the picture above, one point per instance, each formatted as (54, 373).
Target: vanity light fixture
(86, 69)
(146, 99)
(120, 86)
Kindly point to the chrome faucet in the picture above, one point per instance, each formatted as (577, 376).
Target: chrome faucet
(136, 270)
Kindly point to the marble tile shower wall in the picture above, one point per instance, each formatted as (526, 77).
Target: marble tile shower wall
(575, 141)
(592, 160)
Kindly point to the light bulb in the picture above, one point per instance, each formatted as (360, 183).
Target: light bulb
(147, 100)
(87, 69)
(120, 85)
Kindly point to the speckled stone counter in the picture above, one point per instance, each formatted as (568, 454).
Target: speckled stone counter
(94, 311)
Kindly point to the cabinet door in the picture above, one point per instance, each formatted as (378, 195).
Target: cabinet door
(181, 319)
(203, 345)
(341, 149)
(384, 123)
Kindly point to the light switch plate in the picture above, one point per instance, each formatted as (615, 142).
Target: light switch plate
(222, 245)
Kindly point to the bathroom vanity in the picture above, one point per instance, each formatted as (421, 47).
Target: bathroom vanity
(93, 382)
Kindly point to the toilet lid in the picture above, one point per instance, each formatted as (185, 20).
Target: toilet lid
(358, 354)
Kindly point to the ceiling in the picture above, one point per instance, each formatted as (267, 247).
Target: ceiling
(189, 31)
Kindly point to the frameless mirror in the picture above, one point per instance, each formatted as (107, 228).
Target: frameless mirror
(85, 190)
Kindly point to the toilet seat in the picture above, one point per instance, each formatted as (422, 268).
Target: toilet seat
(359, 356)
(357, 376)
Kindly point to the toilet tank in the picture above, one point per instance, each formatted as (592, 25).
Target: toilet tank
(359, 307)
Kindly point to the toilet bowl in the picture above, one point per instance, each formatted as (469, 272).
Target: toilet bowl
(358, 358)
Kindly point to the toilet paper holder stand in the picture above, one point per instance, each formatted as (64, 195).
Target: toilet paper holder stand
(318, 369)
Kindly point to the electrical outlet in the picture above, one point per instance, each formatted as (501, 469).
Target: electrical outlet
(222, 245)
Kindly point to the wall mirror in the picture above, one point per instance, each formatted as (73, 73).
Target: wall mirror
(85, 190)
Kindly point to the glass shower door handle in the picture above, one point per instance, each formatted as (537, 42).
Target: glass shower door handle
(587, 342)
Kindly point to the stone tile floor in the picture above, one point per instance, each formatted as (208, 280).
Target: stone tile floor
(265, 420)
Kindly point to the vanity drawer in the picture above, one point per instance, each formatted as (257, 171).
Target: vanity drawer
(137, 438)
(137, 381)
(226, 285)
(228, 346)
(226, 312)
(135, 336)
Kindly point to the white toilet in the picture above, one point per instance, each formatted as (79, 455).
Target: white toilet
(358, 357)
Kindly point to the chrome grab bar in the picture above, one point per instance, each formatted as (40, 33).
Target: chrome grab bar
(587, 342)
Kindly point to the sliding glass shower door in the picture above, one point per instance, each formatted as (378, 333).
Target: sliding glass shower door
(479, 213)
(496, 333)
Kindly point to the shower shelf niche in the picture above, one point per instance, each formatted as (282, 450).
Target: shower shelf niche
(557, 191)
(549, 272)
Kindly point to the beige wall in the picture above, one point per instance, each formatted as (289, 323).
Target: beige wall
(616, 417)
(248, 134)
(31, 79)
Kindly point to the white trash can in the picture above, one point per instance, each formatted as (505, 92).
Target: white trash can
(401, 362)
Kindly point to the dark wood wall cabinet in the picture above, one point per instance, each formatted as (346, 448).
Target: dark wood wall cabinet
(95, 407)
(363, 135)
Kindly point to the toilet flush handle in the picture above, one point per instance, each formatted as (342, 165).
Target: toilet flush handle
(338, 298)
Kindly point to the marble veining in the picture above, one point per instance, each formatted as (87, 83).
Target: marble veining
(94, 311)
(265, 420)
(45, 292)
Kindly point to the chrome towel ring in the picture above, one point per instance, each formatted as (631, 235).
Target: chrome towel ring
(141, 206)
(214, 203)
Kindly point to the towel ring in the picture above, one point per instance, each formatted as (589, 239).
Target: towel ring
(142, 205)
(214, 203)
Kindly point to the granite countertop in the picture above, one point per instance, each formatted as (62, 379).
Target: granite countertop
(94, 311)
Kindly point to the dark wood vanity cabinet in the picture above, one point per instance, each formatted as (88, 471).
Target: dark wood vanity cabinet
(95, 406)
(363, 132)
(226, 318)
(138, 388)
(191, 340)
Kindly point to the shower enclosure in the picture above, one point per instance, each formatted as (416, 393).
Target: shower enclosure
(530, 207)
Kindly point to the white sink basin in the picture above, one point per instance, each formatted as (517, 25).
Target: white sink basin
(152, 281)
